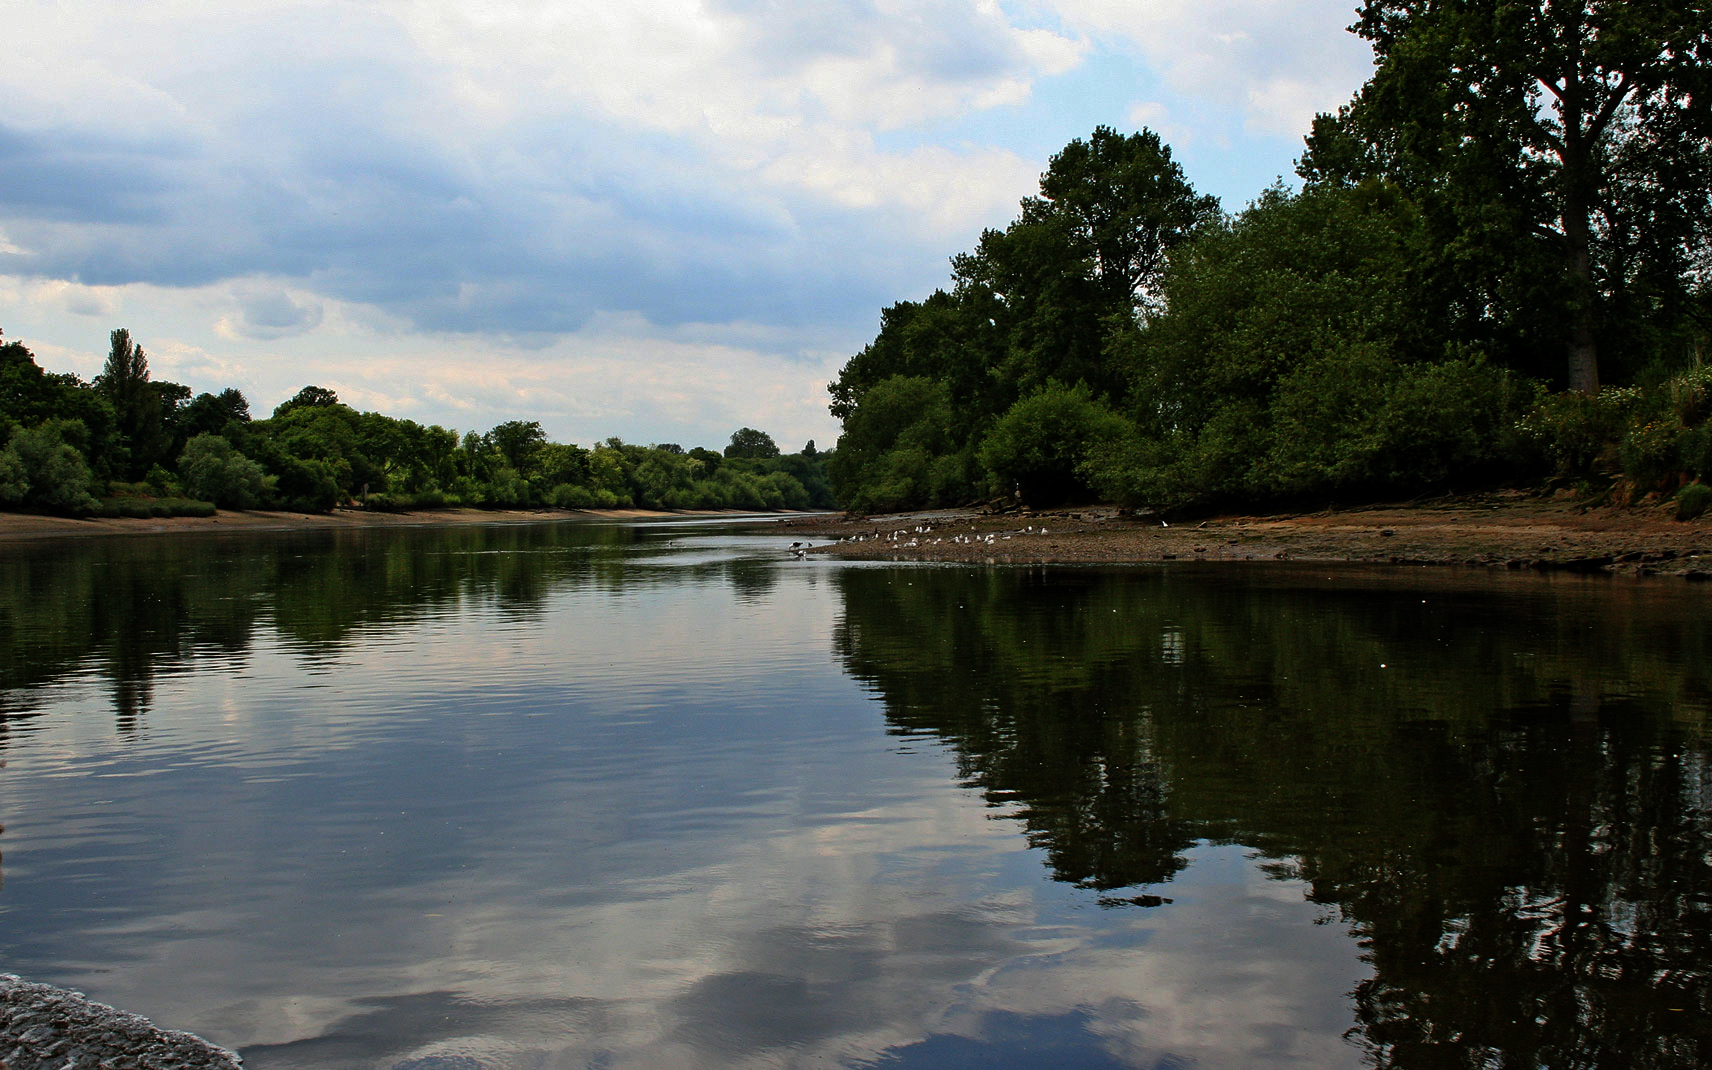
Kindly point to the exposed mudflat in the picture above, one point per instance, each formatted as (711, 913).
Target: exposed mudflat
(1510, 530)
(48, 1028)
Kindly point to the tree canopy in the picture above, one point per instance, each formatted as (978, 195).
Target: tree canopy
(1518, 199)
(1561, 150)
(130, 445)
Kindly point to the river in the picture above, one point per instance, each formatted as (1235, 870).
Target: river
(662, 795)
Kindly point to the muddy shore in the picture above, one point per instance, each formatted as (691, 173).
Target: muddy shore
(1510, 530)
(31, 526)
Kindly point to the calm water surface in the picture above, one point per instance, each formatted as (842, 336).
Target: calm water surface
(660, 795)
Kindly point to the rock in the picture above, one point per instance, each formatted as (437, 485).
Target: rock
(48, 1028)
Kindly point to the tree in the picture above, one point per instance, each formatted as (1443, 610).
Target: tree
(141, 408)
(1293, 358)
(1126, 204)
(308, 398)
(1038, 302)
(748, 442)
(518, 441)
(1040, 445)
(40, 468)
(208, 414)
(1086, 254)
(897, 450)
(214, 472)
(1573, 133)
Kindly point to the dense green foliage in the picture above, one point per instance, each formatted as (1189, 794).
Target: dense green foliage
(1559, 154)
(129, 445)
(1519, 201)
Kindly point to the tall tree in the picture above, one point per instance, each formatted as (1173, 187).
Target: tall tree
(1090, 248)
(1578, 130)
(1125, 203)
(140, 409)
(748, 442)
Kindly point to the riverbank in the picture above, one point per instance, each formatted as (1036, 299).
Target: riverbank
(32, 526)
(1509, 530)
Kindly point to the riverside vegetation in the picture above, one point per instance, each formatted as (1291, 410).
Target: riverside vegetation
(1496, 272)
(129, 445)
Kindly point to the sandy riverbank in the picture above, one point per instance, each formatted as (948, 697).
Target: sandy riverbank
(1504, 530)
(30, 526)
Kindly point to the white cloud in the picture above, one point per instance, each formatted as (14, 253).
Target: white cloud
(489, 182)
(1270, 63)
(267, 311)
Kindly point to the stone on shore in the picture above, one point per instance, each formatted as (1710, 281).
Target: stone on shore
(48, 1028)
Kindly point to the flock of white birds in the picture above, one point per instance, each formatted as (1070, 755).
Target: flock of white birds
(906, 538)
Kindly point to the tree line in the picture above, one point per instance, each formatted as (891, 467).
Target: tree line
(127, 444)
(1495, 270)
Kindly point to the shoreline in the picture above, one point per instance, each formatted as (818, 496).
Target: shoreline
(1505, 530)
(26, 526)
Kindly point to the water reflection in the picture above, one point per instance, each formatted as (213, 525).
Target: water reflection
(659, 795)
(1503, 787)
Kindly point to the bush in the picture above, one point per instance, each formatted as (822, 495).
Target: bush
(213, 471)
(14, 481)
(1651, 452)
(1580, 433)
(1691, 395)
(1695, 448)
(307, 485)
(1040, 446)
(42, 470)
(1692, 500)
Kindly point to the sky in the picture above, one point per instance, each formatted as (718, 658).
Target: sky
(658, 220)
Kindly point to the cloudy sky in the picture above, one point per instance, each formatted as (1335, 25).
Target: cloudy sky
(659, 220)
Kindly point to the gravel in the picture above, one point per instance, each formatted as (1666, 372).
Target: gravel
(48, 1028)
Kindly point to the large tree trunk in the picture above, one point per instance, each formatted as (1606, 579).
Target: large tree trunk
(1583, 349)
(1578, 183)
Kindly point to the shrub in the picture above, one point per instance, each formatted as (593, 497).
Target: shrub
(1651, 452)
(213, 471)
(51, 473)
(1040, 446)
(1692, 500)
(1691, 395)
(307, 485)
(571, 496)
(1696, 450)
(1579, 433)
(14, 481)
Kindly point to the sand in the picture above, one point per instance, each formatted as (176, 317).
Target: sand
(1510, 530)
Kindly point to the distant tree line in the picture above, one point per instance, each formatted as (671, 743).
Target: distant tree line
(128, 444)
(1497, 269)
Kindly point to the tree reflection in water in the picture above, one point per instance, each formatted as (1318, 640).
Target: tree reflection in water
(1502, 785)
